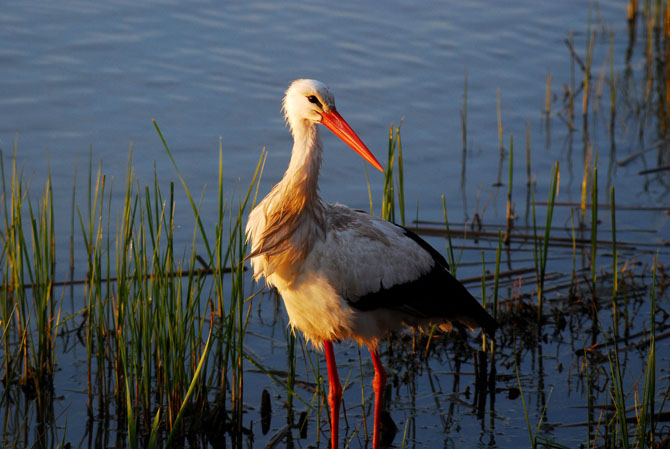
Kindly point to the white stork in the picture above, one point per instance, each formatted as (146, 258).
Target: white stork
(344, 273)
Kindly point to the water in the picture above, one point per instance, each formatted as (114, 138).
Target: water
(77, 75)
(80, 77)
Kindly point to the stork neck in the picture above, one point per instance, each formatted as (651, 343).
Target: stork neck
(302, 174)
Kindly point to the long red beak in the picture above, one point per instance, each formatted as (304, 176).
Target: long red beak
(334, 122)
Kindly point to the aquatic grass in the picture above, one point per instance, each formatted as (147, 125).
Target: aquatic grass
(290, 378)
(191, 388)
(401, 177)
(615, 366)
(585, 368)
(8, 308)
(496, 276)
(496, 289)
(92, 238)
(594, 224)
(573, 273)
(101, 314)
(286, 384)
(615, 266)
(388, 198)
(143, 319)
(234, 321)
(404, 435)
(389, 195)
(238, 298)
(584, 192)
(43, 245)
(618, 394)
(240, 320)
(646, 412)
(186, 190)
(149, 233)
(541, 248)
(30, 310)
(226, 332)
(484, 295)
(362, 384)
(509, 213)
(450, 250)
(321, 391)
(534, 435)
(132, 428)
(28, 258)
(367, 181)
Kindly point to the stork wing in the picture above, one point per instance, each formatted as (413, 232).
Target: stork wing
(375, 264)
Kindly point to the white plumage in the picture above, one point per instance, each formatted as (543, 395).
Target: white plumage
(333, 283)
(344, 273)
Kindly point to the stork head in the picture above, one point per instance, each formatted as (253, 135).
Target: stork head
(311, 101)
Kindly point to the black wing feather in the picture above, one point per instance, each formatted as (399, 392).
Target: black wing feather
(436, 294)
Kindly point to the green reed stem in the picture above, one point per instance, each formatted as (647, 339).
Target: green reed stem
(450, 252)
(589, 393)
(388, 200)
(509, 212)
(618, 394)
(496, 276)
(615, 270)
(132, 428)
(188, 193)
(28, 257)
(192, 385)
(594, 222)
(543, 248)
(401, 179)
(647, 409)
(531, 437)
(615, 367)
(290, 380)
(367, 180)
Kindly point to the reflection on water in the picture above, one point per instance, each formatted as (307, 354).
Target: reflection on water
(470, 82)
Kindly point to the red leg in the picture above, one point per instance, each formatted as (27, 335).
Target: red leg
(378, 384)
(334, 394)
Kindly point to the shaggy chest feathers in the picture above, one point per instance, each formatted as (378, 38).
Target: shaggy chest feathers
(284, 227)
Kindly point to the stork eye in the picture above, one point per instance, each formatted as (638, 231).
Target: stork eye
(313, 99)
